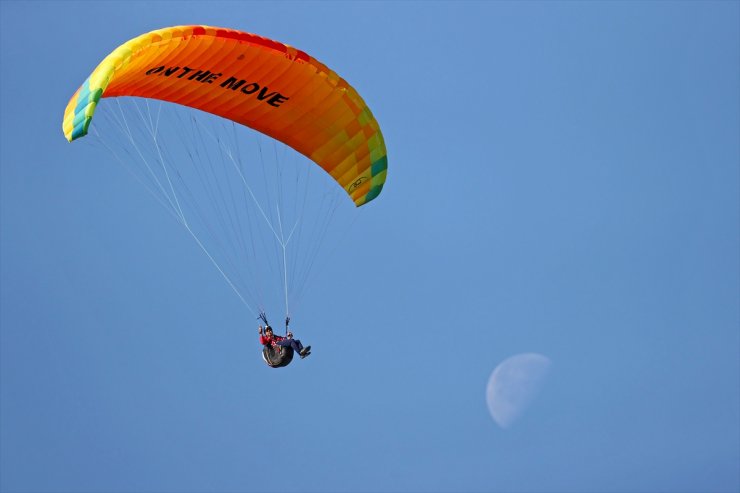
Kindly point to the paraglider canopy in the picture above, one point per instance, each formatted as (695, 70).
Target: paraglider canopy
(263, 84)
(192, 162)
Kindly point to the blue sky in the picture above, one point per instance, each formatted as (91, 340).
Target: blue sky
(563, 179)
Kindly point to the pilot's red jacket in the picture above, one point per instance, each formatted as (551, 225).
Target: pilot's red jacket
(270, 340)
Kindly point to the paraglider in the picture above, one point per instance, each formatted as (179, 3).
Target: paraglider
(278, 351)
(251, 81)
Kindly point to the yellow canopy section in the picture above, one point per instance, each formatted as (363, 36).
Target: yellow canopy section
(263, 84)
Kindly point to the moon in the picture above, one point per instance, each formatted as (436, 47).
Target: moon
(514, 384)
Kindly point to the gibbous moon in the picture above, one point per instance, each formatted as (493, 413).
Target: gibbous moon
(514, 384)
